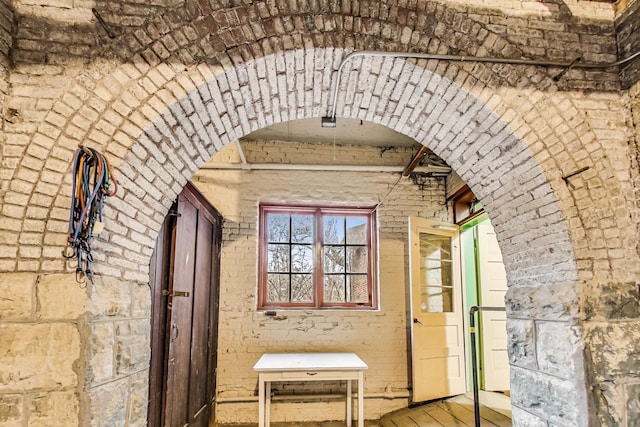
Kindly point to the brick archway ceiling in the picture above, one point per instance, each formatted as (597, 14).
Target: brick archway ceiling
(226, 107)
(184, 86)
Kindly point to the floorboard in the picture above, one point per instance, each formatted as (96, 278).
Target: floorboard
(487, 414)
(453, 412)
(443, 417)
(404, 420)
(458, 411)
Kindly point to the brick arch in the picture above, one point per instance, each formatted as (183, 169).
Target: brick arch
(445, 117)
(110, 105)
(459, 127)
(435, 110)
(114, 101)
(124, 111)
(159, 123)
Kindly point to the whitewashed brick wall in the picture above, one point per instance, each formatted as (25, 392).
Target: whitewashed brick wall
(378, 336)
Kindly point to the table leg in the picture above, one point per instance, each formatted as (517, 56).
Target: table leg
(267, 409)
(360, 399)
(349, 403)
(260, 401)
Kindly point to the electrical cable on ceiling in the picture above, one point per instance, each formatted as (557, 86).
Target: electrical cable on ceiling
(393, 187)
(92, 181)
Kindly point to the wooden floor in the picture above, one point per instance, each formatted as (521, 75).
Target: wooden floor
(454, 412)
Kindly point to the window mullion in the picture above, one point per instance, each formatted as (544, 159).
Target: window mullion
(290, 258)
(347, 294)
(318, 270)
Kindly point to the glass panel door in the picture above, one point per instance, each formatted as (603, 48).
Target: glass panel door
(436, 309)
(436, 274)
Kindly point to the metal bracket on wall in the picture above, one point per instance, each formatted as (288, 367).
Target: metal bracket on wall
(572, 174)
(102, 22)
(175, 294)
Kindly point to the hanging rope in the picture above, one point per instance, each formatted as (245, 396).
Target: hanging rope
(92, 181)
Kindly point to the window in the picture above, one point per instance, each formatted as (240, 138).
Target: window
(317, 257)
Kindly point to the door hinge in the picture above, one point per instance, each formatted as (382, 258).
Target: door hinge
(175, 293)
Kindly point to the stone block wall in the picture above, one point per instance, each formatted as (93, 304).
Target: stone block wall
(118, 351)
(41, 345)
(625, 312)
(378, 336)
(57, 336)
(619, 322)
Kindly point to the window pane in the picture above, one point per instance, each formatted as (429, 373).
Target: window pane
(357, 260)
(301, 288)
(302, 228)
(358, 288)
(278, 228)
(436, 300)
(334, 261)
(333, 227)
(301, 258)
(435, 247)
(278, 287)
(436, 274)
(278, 258)
(357, 230)
(334, 288)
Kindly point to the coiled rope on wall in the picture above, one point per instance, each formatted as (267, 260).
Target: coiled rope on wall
(92, 182)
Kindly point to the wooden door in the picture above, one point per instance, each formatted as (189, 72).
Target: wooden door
(185, 295)
(436, 305)
(493, 330)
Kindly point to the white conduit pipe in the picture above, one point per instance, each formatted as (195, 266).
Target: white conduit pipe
(544, 63)
(438, 170)
(243, 159)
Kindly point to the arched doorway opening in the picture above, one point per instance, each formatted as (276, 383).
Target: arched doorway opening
(486, 168)
(223, 106)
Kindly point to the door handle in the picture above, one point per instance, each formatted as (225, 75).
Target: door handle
(174, 332)
(415, 320)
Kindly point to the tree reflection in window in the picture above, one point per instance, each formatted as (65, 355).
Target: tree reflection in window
(290, 258)
(345, 259)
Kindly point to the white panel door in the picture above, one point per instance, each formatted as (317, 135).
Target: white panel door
(436, 308)
(493, 286)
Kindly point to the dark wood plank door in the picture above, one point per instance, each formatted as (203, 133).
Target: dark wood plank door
(188, 341)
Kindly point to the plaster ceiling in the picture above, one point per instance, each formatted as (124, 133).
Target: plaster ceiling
(347, 131)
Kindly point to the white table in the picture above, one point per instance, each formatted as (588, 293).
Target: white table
(309, 367)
